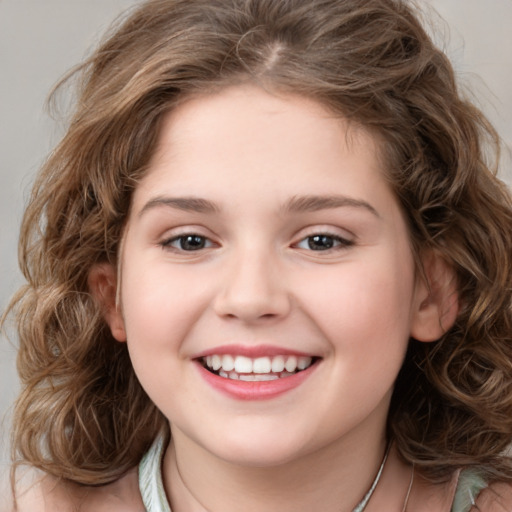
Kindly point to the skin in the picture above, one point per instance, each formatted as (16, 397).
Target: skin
(248, 155)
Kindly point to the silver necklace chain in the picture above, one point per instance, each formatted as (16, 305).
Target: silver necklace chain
(362, 505)
(155, 500)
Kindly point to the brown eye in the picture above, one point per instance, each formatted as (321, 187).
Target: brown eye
(323, 242)
(188, 242)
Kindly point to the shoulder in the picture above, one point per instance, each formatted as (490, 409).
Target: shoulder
(497, 497)
(43, 493)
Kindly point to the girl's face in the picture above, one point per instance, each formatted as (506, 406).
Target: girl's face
(264, 240)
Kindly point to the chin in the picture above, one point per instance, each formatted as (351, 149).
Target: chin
(259, 460)
(260, 452)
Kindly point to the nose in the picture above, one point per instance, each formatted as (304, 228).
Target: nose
(253, 289)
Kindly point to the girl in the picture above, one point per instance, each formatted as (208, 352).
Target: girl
(269, 268)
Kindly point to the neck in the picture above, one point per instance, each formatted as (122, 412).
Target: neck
(333, 479)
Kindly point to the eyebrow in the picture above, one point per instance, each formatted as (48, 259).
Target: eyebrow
(300, 204)
(297, 204)
(188, 204)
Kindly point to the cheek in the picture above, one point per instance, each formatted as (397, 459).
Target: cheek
(159, 310)
(364, 304)
(159, 305)
(365, 316)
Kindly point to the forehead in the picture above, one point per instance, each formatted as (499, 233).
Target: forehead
(287, 114)
(250, 138)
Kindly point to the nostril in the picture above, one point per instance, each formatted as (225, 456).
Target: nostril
(247, 308)
(251, 288)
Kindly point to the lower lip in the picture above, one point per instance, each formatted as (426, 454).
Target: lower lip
(255, 390)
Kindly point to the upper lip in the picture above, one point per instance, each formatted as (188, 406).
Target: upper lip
(252, 351)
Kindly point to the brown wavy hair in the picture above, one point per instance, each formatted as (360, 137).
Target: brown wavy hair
(82, 414)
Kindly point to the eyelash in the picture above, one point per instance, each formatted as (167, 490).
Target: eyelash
(337, 242)
(334, 242)
(168, 243)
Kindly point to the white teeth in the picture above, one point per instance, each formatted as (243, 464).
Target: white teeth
(278, 364)
(239, 367)
(304, 362)
(216, 362)
(243, 364)
(267, 376)
(228, 363)
(253, 377)
(291, 364)
(262, 365)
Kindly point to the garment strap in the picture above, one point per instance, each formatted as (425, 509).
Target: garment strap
(469, 486)
(150, 478)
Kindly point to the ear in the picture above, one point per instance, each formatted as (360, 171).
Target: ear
(436, 301)
(102, 283)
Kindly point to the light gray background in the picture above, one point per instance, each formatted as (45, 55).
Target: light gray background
(41, 39)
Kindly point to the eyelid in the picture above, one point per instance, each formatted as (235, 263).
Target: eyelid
(175, 234)
(168, 242)
(344, 239)
(322, 229)
(341, 240)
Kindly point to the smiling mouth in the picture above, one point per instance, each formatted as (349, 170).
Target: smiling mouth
(256, 369)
